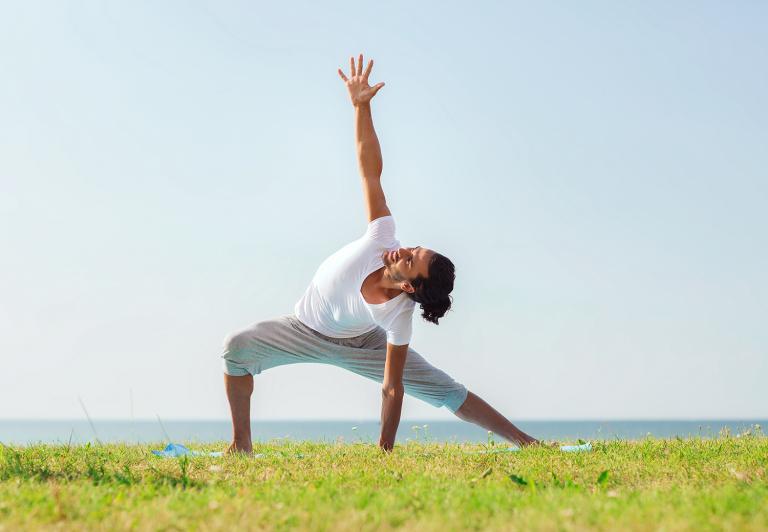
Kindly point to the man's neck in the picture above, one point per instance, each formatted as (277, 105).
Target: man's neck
(385, 283)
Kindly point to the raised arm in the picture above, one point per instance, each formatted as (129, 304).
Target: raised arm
(368, 150)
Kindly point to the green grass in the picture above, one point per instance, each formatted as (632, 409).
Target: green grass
(694, 484)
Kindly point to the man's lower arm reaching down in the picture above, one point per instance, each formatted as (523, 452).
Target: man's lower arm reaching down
(391, 408)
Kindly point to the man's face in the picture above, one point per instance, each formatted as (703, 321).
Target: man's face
(405, 264)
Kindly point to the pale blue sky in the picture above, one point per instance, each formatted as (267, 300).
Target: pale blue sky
(173, 171)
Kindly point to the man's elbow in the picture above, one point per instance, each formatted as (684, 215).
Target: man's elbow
(370, 171)
(390, 391)
(370, 165)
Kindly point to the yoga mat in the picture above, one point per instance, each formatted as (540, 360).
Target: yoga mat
(173, 450)
(584, 447)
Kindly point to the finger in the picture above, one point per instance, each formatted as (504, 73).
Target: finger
(368, 71)
(343, 76)
(376, 87)
(360, 65)
(352, 67)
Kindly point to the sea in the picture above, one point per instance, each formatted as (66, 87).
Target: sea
(26, 432)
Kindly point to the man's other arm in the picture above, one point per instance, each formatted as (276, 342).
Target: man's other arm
(392, 391)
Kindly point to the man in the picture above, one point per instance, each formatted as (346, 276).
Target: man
(357, 311)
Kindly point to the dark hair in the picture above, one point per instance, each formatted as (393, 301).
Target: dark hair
(432, 293)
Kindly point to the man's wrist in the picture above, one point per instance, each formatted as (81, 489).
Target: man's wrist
(385, 444)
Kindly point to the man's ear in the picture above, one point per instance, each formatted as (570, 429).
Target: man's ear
(406, 287)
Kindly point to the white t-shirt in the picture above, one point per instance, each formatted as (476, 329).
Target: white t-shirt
(333, 304)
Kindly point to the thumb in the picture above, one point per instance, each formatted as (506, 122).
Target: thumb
(377, 87)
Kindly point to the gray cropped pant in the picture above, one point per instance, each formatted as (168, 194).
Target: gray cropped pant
(286, 340)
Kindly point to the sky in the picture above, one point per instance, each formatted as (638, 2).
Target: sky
(172, 172)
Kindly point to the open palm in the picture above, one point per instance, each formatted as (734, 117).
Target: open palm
(357, 83)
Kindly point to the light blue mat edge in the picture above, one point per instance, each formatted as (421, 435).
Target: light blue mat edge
(584, 447)
(173, 450)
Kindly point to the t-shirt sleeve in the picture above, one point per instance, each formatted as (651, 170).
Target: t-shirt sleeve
(382, 230)
(401, 330)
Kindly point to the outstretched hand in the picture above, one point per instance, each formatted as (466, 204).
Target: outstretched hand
(357, 84)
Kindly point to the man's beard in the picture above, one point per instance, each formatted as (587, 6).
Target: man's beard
(395, 275)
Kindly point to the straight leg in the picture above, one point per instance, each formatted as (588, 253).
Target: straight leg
(239, 390)
(477, 411)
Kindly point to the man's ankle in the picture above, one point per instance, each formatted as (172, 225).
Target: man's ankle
(241, 446)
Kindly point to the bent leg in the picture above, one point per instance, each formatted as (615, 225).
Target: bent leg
(247, 353)
(477, 411)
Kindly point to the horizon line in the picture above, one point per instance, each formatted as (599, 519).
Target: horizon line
(376, 420)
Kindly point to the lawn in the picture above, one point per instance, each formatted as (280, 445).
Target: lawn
(691, 484)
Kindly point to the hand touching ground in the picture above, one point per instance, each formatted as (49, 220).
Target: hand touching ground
(357, 84)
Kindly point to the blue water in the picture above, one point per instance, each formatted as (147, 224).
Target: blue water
(80, 431)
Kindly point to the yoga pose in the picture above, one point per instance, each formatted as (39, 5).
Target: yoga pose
(357, 312)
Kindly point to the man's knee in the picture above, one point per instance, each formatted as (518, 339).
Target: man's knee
(236, 341)
(245, 338)
(456, 398)
(235, 354)
(244, 351)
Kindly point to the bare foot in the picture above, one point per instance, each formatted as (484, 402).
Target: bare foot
(524, 440)
(541, 443)
(240, 447)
